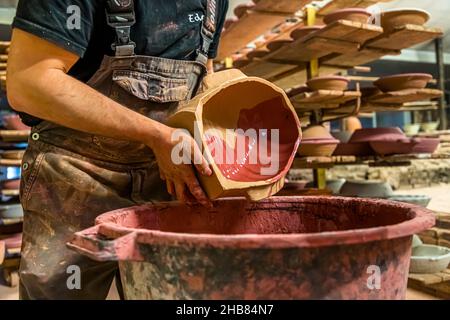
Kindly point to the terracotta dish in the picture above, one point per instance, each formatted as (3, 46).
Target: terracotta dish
(297, 90)
(405, 146)
(403, 82)
(304, 31)
(392, 19)
(13, 241)
(377, 134)
(241, 9)
(13, 122)
(274, 45)
(328, 83)
(317, 142)
(350, 14)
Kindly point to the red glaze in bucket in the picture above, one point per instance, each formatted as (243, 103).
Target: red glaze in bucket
(280, 248)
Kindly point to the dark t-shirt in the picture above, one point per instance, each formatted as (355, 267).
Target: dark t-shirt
(164, 28)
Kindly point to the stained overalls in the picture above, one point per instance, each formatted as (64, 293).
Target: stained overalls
(70, 177)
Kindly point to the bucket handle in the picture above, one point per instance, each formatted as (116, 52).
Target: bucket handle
(92, 243)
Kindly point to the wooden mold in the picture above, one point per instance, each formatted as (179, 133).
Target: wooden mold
(404, 96)
(405, 37)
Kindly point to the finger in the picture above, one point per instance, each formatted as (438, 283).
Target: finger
(162, 175)
(170, 187)
(200, 162)
(180, 192)
(197, 192)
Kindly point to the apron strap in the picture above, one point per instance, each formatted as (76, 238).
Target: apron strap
(120, 15)
(207, 32)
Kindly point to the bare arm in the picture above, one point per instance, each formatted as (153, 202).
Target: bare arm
(38, 84)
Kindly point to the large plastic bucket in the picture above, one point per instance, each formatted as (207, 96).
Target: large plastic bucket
(280, 248)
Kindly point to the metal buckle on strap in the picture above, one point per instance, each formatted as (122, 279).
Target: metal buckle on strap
(120, 15)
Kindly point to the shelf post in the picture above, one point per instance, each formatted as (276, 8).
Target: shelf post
(439, 43)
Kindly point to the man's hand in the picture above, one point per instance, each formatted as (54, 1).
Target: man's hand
(181, 179)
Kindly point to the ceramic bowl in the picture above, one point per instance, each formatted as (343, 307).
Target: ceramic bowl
(334, 185)
(241, 9)
(302, 32)
(350, 14)
(342, 136)
(403, 82)
(317, 132)
(321, 149)
(386, 148)
(274, 45)
(429, 259)
(328, 83)
(429, 127)
(426, 145)
(377, 134)
(11, 211)
(412, 129)
(418, 200)
(13, 241)
(367, 189)
(13, 122)
(392, 19)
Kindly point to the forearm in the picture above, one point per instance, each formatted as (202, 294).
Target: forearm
(52, 95)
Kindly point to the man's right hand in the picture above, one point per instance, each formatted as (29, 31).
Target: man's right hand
(181, 179)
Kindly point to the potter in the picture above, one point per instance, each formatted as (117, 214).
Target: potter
(186, 310)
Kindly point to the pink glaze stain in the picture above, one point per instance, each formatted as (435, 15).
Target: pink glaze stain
(257, 150)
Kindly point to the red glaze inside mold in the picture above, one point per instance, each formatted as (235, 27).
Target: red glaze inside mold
(247, 166)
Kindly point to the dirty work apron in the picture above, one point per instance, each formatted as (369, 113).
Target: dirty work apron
(70, 177)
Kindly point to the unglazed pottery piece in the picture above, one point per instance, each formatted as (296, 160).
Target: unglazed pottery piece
(403, 82)
(320, 149)
(248, 130)
(13, 122)
(302, 32)
(289, 247)
(12, 154)
(367, 189)
(274, 45)
(429, 259)
(12, 241)
(405, 146)
(241, 9)
(328, 83)
(297, 90)
(392, 19)
(350, 14)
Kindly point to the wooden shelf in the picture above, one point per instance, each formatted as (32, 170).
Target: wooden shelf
(265, 15)
(10, 193)
(350, 31)
(265, 69)
(4, 45)
(342, 4)
(14, 136)
(437, 284)
(10, 163)
(245, 30)
(324, 99)
(359, 57)
(404, 96)
(405, 37)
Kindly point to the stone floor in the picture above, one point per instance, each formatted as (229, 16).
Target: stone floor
(440, 203)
